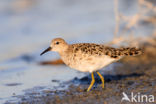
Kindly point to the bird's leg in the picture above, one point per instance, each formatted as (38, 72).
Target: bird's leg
(92, 82)
(102, 79)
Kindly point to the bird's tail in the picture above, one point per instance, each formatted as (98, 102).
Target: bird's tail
(131, 51)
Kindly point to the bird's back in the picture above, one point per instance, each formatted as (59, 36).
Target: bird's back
(99, 50)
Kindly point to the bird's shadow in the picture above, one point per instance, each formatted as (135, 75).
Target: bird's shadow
(108, 78)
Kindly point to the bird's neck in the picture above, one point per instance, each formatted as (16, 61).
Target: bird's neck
(63, 50)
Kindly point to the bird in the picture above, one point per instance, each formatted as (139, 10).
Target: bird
(89, 57)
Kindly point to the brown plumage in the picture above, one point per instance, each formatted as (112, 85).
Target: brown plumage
(97, 50)
(131, 51)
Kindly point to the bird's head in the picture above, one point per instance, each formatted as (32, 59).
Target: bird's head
(57, 45)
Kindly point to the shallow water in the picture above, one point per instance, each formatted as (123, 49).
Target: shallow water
(26, 29)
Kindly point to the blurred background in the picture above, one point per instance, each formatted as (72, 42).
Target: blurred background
(28, 26)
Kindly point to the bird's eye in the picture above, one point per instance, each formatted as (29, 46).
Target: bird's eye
(57, 43)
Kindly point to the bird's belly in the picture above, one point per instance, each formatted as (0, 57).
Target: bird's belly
(91, 64)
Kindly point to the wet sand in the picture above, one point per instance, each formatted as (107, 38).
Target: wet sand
(135, 74)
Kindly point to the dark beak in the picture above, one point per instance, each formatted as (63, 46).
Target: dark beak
(48, 49)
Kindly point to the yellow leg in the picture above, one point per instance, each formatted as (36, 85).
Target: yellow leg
(102, 79)
(92, 82)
